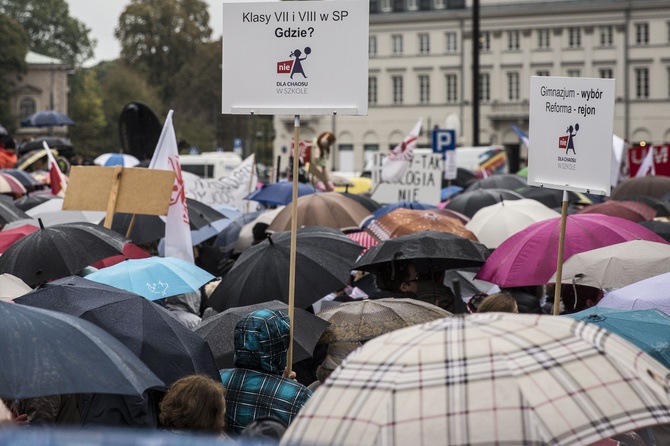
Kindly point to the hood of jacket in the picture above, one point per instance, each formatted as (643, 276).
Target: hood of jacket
(261, 341)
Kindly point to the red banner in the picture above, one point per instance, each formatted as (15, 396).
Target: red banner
(661, 159)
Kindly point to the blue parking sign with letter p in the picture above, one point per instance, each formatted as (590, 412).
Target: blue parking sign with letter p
(443, 140)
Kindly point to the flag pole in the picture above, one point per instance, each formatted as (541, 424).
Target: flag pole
(294, 236)
(559, 260)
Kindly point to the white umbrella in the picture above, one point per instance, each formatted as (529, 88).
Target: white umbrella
(114, 159)
(51, 212)
(618, 265)
(12, 287)
(484, 379)
(653, 292)
(496, 223)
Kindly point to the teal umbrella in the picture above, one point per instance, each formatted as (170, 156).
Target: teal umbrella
(648, 329)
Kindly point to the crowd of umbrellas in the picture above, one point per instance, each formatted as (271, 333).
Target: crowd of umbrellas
(84, 294)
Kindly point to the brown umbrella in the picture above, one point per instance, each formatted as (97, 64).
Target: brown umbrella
(403, 221)
(329, 209)
(652, 186)
(365, 319)
(630, 210)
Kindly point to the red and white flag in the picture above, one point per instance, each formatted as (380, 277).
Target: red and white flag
(647, 166)
(56, 177)
(177, 229)
(397, 162)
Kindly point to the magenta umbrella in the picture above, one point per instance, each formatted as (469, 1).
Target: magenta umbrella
(529, 256)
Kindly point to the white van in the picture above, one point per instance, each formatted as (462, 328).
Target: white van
(210, 164)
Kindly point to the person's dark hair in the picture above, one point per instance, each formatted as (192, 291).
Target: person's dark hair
(264, 429)
(391, 275)
(195, 403)
(498, 302)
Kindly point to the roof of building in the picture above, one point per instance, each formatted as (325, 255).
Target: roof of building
(36, 59)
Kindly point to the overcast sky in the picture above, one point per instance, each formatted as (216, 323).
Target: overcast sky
(102, 16)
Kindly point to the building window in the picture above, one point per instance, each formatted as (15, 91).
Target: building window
(513, 40)
(642, 33)
(642, 83)
(668, 30)
(606, 35)
(397, 89)
(669, 82)
(396, 44)
(452, 42)
(26, 108)
(439, 4)
(484, 41)
(372, 46)
(452, 88)
(412, 5)
(372, 90)
(484, 87)
(605, 73)
(574, 73)
(424, 43)
(542, 73)
(513, 86)
(543, 39)
(574, 37)
(424, 89)
(386, 6)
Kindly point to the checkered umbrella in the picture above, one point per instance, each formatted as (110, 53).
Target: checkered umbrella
(492, 378)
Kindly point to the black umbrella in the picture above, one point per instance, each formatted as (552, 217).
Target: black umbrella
(171, 350)
(219, 330)
(200, 214)
(468, 203)
(661, 228)
(46, 353)
(30, 201)
(367, 202)
(261, 273)
(47, 118)
(499, 181)
(552, 198)
(9, 212)
(64, 146)
(438, 250)
(24, 177)
(59, 251)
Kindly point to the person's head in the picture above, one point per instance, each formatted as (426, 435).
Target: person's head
(264, 429)
(399, 275)
(261, 341)
(498, 302)
(579, 297)
(195, 403)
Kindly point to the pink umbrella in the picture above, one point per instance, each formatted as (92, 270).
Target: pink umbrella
(529, 256)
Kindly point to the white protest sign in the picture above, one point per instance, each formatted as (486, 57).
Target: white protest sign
(295, 57)
(229, 190)
(571, 122)
(422, 182)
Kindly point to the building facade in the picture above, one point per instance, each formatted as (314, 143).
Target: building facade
(420, 65)
(43, 87)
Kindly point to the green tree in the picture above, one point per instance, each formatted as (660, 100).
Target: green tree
(121, 84)
(86, 109)
(51, 30)
(160, 36)
(13, 50)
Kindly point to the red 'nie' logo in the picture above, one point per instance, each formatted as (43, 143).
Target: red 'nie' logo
(562, 142)
(284, 67)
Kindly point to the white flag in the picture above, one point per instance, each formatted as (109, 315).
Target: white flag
(647, 164)
(177, 229)
(397, 162)
(56, 177)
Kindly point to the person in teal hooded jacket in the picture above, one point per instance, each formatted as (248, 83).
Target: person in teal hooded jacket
(256, 387)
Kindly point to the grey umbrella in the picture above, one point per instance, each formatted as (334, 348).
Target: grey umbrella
(46, 353)
(218, 331)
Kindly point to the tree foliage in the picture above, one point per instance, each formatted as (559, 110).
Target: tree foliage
(86, 109)
(159, 36)
(13, 50)
(51, 30)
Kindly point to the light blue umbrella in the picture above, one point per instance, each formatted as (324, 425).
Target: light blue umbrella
(153, 277)
(647, 329)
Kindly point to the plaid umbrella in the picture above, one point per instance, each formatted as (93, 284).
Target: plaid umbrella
(362, 320)
(630, 210)
(493, 378)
